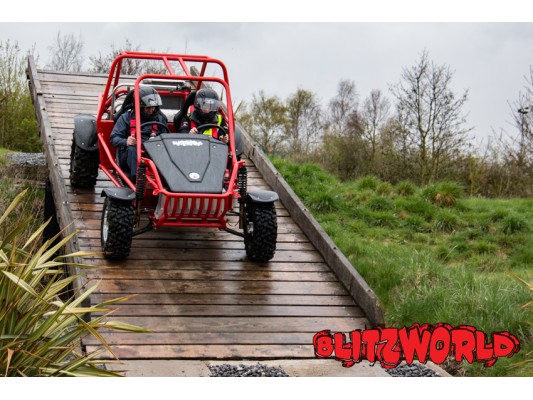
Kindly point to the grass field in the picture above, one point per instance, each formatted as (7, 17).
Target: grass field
(430, 254)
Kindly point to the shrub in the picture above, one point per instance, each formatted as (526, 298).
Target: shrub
(39, 330)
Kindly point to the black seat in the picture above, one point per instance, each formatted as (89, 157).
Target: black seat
(189, 101)
(126, 105)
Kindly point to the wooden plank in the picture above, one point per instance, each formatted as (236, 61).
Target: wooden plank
(228, 299)
(94, 236)
(213, 310)
(218, 275)
(227, 242)
(94, 226)
(223, 255)
(244, 324)
(213, 265)
(221, 287)
(226, 352)
(183, 338)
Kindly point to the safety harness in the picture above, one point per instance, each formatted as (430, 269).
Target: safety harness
(133, 124)
(211, 131)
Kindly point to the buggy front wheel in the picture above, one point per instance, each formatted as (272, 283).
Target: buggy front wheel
(116, 229)
(83, 167)
(260, 231)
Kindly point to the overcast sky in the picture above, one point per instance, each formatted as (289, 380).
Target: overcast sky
(490, 59)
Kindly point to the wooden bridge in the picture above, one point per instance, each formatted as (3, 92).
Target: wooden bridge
(195, 289)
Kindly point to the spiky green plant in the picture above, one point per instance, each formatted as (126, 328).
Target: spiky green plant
(39, 331)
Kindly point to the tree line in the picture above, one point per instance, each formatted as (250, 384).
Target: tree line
(420, 134)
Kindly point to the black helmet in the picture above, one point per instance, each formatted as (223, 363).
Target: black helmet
(149, 98)
(206, 103)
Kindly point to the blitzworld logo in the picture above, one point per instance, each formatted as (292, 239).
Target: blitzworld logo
(391, 346)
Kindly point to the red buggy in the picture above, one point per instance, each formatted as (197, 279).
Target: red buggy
(182, 180)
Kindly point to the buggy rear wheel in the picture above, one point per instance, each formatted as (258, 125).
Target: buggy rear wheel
(260, 231)
(83, 166)
(117, 228)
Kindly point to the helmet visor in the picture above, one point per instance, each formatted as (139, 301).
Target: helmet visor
(208, 105)
(151, 100)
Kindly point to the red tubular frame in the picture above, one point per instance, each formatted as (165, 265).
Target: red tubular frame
(174, 209)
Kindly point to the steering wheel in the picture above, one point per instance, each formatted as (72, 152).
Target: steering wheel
(203, 127)
(157, 123)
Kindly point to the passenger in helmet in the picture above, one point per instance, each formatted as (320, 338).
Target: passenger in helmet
(123, 133)
(206, 106)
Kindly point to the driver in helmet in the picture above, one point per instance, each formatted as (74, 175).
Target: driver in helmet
(205, 111)
(123, 133)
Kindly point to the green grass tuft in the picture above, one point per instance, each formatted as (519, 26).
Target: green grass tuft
(405, 188)
(443, 194)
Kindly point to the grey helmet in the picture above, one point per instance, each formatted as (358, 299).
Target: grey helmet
(149, 97)
(206, 103)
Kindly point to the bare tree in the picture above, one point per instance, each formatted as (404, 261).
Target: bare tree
(520, 150)
(342, 118)
(375, 114)
(344, 151)
(66, 53)
(102, 63)
(265, 121)
(304, 121)
(522, 111)
(429, 116)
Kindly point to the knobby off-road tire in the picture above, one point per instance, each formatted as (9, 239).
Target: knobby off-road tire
(117, 228)
(83, 166)
(260, 231)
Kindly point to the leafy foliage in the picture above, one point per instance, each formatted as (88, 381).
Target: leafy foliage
(18, 126)
(40, 325)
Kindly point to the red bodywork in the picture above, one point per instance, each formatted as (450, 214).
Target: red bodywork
(167, 208)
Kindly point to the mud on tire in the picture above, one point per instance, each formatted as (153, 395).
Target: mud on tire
(260, 231)
(83, 166)
(117, 228)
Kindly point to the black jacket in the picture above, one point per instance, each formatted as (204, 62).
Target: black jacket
(122, 129)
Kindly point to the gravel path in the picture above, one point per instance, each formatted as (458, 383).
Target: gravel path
(258, 370)
(30, 159)
(412, 370)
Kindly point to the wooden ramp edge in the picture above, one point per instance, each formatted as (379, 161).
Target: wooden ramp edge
(195, 290)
